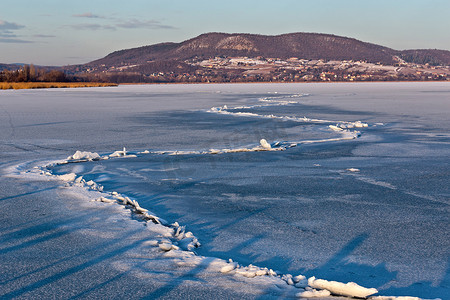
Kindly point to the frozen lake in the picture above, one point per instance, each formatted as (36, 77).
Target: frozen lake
(344, 182)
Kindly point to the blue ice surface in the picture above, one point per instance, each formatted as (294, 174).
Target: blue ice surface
(301, 211)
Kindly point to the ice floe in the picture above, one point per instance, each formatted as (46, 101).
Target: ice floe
(121, 153)
(349, 289)
(66, 177)
(83, 155)
(313, 293)
(335, 128)
(398, 298)
(265, 144)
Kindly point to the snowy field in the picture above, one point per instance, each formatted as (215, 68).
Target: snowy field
(255, 191)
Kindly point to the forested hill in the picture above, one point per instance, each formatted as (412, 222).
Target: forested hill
(300, 45)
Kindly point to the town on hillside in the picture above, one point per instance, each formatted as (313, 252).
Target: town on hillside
(260, 69)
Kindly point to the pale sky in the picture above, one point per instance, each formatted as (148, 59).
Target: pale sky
(55, 32)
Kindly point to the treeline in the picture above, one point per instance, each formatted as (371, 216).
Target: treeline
(31, 73)
(207, 75)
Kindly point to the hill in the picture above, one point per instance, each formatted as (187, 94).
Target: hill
(188, 60)
(10, 67)
(301, 45)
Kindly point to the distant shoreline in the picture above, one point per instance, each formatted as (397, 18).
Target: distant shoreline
(285, 82)
(46, 85)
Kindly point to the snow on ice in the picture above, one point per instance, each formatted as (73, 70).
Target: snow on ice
(173, 240)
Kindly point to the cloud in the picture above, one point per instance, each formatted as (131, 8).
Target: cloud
(88, 15)
(44, 36)
(14, 41)
(128, 24)
(151, 24)
(9, 26)
(7, 34)
(93, 27)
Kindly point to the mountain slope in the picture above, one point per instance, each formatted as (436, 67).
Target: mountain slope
(301, 45)
(426, 56)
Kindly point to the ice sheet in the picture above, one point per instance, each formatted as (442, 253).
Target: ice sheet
(368, 207)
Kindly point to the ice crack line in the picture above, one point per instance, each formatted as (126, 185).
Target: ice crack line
(174, 242)
(341, 127)
(278, 101)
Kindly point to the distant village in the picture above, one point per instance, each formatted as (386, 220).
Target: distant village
(295, 69)
(260, 69)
